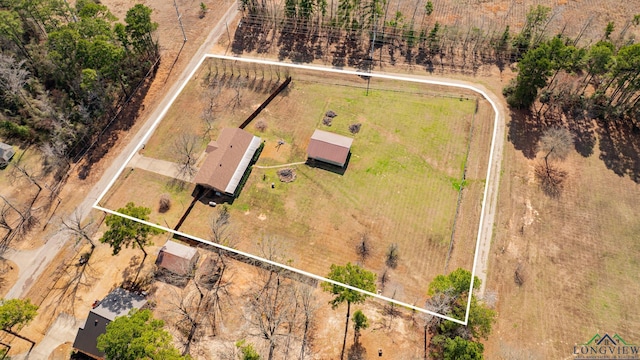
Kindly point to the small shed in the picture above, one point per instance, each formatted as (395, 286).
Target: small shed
(118, 303)
(177, 258)
(6, 153)
(329, 147)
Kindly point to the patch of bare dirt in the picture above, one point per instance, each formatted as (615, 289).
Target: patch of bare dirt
(8, 275)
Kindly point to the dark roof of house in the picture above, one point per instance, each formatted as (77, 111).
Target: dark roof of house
(6, 151)
(117, 303)
(329, 147)
(227, 160)
(176, 257)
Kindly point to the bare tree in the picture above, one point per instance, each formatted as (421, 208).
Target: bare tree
(221, 228)
(261, 125)
(363, 247)
(26, 220)
(391, 311)
(84, 232)
(209, 118)
(556, 142)
(309, 307)
(208, 113)
(237, 86)
(384, 278)
(198, 305)
(186, 146)
(20, 171)
(440, 303)
(273, 307)
(13, 77)
(6, 224)
(392, 256)
(54, 159)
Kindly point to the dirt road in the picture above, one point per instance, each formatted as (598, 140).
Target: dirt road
(33, 263)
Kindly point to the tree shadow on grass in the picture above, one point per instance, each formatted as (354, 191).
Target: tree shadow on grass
(357, 352)
(250, 33)
(131, 279)
(620, 147)
(619, 141)
(584, 132)
(79, 274)
(525, 131)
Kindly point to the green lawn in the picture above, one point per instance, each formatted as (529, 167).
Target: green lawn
(400, 186)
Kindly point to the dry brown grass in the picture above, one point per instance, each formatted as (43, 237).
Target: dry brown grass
(581, 255)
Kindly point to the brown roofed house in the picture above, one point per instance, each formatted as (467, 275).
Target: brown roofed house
(329, 148)
(227, 160)
(118, 303)
(177, 258)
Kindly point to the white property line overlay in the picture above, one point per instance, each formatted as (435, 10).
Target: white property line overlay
(286, 267)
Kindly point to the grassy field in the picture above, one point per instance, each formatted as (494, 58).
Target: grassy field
(401, 184)
(128, 186)
(580, 255)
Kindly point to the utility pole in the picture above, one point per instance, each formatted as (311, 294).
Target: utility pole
(184, 40)
(373, 46)
(184, 35)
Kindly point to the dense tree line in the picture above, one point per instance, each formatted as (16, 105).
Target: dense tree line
(556, 76)
(65, 71)
(362, 32)
(602, 78)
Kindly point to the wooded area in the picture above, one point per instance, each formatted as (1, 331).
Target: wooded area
(562, 76)
(66, 73)
(362, 33)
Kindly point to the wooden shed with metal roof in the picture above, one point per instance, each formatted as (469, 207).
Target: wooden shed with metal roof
(329, 147)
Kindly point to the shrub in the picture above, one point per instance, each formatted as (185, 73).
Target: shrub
(355, 128)
(261, 125)
(392, 256)
(165, 203)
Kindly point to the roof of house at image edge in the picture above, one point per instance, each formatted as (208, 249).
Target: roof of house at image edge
(6, 151)
(117, 303)
(227, 160)
(329, 147)
(176, 257)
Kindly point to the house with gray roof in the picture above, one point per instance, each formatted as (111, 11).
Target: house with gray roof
(6, 153)
(117, 303)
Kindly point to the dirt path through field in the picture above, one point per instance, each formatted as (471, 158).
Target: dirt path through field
(162, 167)
(279, 166)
